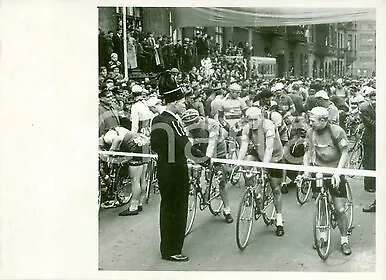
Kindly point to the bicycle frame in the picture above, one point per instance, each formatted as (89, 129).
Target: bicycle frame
(205, 199)
(258, 196)
(325, 219)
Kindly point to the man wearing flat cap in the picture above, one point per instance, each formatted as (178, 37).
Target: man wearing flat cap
(169, 141)
(323, 100)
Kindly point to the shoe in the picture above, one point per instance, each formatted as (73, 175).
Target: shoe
(176, 258)
(127, 212)
(228, 218)
(108, 204)
(279, 230)
(370, 208)
(370, 189)
(140, 208)
(346, 250)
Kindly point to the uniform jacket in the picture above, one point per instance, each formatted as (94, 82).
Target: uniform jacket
(171, 149)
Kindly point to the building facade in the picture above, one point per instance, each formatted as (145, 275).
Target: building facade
(365, 47)
(323, 50)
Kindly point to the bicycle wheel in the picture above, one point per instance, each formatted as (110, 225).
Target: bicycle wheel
(269, 210)
(215, 200)
(148, 178)
(322, 227)
(244, 219)
(349, 208)
(119, 186)
(355, 158)
(303, 190)
(192, 208)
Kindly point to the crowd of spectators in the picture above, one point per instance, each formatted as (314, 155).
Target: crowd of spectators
(205, 72)
(153, 54)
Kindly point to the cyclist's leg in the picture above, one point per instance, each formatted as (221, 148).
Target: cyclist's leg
(276, 179)
(339, 198)
(135, 175)
(224, 186)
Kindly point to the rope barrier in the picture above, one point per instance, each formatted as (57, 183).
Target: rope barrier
(292, 167)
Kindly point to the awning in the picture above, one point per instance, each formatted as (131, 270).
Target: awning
(249, 16)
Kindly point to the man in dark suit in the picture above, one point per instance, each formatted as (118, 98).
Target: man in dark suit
(169, 141)
(118, 45)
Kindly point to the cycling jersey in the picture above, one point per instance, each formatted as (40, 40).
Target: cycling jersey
(324, 151)
(203, 130)
(233, 109)
(257, 141)
(140, 118)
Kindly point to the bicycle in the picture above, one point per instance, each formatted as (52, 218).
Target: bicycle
(151, 179)
(355, 160)
(113, 177)
(324, 215)
(210, 198)
(257, 201)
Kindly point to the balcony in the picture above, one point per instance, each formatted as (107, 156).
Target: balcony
(351, 56)
(272, 30)
(323, 50)
(296, 34)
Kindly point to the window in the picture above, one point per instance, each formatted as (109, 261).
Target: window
(134, 18)
(219, 36)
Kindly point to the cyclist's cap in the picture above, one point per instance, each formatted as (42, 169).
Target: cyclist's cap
(339, 81)
(136, 89)
(278, 86)
(235, 87)
(253, 111)
(174, 71)
(152, 101)
(322, 94)
(190, 116)
(319, 111)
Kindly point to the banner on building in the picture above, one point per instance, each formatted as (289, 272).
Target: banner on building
(249, 16)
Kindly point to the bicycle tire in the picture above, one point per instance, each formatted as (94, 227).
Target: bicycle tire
(119, 187)
(303, 191)
(192, 208)
(349, 208)
(215, 200)
(245, 218)
(269, 209)
(355, 158)
(148, 179)
(322, 223)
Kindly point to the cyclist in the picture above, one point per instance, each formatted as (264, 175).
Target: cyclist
(208, 136)
(140, 112)
(260, 141)
(123, 140)
(232, 109)
(323, 100)
(327, 146)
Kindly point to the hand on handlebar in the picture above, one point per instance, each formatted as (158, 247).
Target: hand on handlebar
(335, 180)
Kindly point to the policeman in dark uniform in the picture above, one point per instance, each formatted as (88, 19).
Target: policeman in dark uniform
(169, 141)
(367, 114)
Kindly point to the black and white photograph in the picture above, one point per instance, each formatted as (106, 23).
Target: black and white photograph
(192, 140)
(237, 139)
